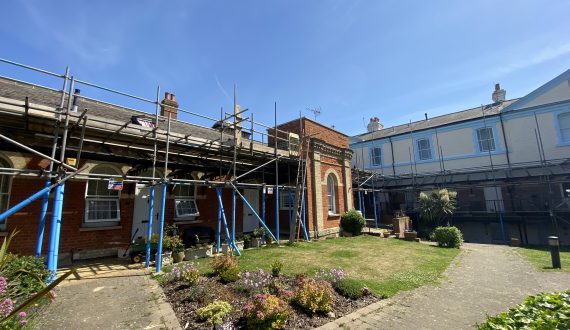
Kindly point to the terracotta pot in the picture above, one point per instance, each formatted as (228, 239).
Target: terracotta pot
(178, 256)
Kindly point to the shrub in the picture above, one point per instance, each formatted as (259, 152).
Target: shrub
(198, 293)
(26, 275)
(350, 288)
(352, 222)
(186, 272)
(215, 312)
(314, 296)
(544, 311)
(266, 311)
(230, 275)
(450, 237)
(280, 289)
(276, 267)
(332, 275)
(222, 263)
(256, 281)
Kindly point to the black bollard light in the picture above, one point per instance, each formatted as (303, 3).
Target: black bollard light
(554, 251)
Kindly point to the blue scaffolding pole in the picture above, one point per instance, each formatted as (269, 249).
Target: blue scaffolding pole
(42, 224)
(290, 209)
(234, 216)
(161, 228)
(150, 220)
(55, 230)
(222, 218)
(304, 222)
(254, 212)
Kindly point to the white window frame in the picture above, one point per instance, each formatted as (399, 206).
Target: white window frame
(424, 150)
(102, 198)
(376, 159)
(331, 194)
(481, 141)
(562, 131)
(187, 199)
(5, 195)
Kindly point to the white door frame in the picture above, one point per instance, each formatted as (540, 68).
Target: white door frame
(250, 221)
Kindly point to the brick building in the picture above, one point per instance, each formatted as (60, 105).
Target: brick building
(115, 145)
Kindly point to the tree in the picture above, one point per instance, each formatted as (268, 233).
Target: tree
(437, 206)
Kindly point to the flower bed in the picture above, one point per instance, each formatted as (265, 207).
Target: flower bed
(263, 300)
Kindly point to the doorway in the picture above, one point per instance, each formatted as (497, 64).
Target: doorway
(250, 221)
(142, 205)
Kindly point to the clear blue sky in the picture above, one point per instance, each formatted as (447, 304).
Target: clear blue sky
(354, 59)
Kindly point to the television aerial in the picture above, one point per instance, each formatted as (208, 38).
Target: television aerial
(316, 111)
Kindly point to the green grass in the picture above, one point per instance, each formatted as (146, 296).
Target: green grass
(539, 257)
(385, 266)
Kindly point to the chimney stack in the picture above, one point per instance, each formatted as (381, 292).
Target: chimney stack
(169, 106)
(374, 125)
(499, 94)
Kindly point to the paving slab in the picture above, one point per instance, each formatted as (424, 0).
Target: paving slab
(483, 280)
(109, 295)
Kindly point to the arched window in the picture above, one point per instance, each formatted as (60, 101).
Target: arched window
(185, 200)
(331, 193)
(102, 201)
(5, 185)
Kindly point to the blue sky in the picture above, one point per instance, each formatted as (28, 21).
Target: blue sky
(353, 59)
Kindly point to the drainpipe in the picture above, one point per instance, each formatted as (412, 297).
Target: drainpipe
(392, 151)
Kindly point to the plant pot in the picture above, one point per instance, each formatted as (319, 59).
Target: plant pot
(247, 244)
(198, 252)
(166, 258)
(178, 256)
(386, 234)
(255, 242)
(410, 235)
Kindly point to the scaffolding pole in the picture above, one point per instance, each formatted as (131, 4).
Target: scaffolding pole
(253, 211)
(163, 203)
(152, 183)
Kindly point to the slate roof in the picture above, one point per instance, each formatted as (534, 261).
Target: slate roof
(19, 90)
(452, 118)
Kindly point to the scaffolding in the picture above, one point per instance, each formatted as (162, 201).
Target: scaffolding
(233, 158)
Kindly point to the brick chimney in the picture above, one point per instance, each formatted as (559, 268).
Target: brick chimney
(169, 106)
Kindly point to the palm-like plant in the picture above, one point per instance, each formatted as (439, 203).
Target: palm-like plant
(437, 206)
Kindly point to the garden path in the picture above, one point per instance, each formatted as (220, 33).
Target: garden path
(483, 280)
(109, 295)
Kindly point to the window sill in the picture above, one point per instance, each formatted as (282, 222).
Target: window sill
(334, 215)
(186, 222)
(100, 228)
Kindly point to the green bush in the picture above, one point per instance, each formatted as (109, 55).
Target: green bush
(352, 222)
(198, 293)
(215, 312)
(314, 296)
(222, 263)
(544, 311)
(450, 237)
(230, 275)
(349, 288)
(276, 267)
(27, 274)
(266, 311)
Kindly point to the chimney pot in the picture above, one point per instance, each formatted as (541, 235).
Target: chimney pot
(169, 106)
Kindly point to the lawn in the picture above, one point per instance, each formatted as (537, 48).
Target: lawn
(386, 266)
(539, 257)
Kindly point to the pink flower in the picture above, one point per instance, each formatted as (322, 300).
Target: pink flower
(22, 314)
(3, 285)
(23, 322)
(6, 307)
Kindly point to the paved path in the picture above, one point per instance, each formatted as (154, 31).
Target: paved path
(109, 296)
(483, 280)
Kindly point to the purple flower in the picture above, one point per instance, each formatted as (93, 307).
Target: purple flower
(22, 314)
(3, 285)
(6, 307)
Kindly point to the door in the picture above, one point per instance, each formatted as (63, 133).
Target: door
(140, 213)
(250, 221)
(494, 199)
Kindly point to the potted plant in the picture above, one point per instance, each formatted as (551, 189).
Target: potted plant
(200, 250)
(246, 241)
(256, 237)
(175, 246)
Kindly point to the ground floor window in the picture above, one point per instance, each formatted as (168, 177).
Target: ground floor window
(102, 201)
(5, 184)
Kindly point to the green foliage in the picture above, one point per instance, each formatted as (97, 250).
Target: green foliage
(349, 288)
(222, 263)
(450, 237)
(172, 243)
(4, 249)
(26, 274)
(215, 312)
(313, 296)
(352, 222)
(434, 208)
(230, 275)
(276, 267)
(257, 232)
(544, 311)
(198, 293)
(266, 311)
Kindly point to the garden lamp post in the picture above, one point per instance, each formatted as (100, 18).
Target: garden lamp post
(554, 244)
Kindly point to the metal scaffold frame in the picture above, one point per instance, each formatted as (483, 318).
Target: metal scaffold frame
(59, 172)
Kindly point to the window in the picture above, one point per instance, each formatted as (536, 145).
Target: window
(564, 124)
(376, 156)
(185, 201)
(284, 202)
(331, 193)
(5, 184)
(486, 139)
(102, 203)
(424, 149)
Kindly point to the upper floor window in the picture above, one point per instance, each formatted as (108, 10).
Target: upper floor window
(331, 193)
(486, 139)
(5, 184)
(376, 156)
(424, 149)
(102, 201)
(564, 125)
(185, 201)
